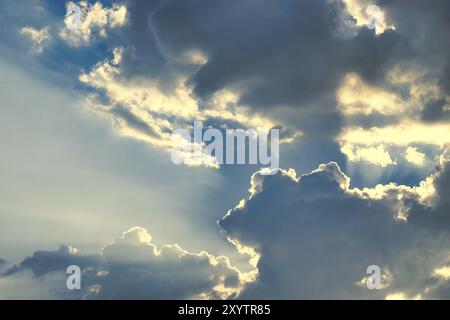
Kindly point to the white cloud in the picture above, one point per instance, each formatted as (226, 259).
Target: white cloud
(401, 134)
(375, 145)
(39, 37)
(415, 156)
(359, 10)
(355, 96)
(374, 155)
(402, 296)
(96, 20)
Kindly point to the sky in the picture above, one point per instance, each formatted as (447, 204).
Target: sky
(358, 89)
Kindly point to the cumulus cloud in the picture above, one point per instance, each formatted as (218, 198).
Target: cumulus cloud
(382, 95)
(132, 267)
(316, 236)
(415, 156)
(306, 237)
(96, 20)
(39, 37)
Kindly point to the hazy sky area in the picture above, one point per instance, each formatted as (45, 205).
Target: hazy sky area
(361, 101)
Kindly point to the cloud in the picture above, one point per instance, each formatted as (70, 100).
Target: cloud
(132, 267)
(374, 155)
(39, 37)
(306, 237)
(24, 286)
(414, 156)
(308, 80)
(401, 134)
(369, 78)
(96, 20)
(362, 14)
(355, 96)
(264, 52)
(392, 117)
(315, 236)
(381, 94)
(395, 143)
(146, 110)
(437, 110)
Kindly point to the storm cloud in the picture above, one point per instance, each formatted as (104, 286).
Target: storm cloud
(316, 236)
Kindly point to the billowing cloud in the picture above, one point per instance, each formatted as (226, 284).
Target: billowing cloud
(414, 156)
(316, 236)
(95, 20)
(306, 237)
(315, 67)
(132, 267)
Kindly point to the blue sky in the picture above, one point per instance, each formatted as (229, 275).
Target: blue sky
(85, 129)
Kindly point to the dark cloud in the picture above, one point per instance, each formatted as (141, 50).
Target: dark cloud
(274, 53)
(435, 110)
(143, 56)
(316, 236)
(43, 262)
(426, 25)
(133, 268)
(438, 216)
(277, 53)
(445, 78)
(288, 53)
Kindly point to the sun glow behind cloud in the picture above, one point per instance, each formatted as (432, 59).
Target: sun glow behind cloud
(153, 114)
(373, 102)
